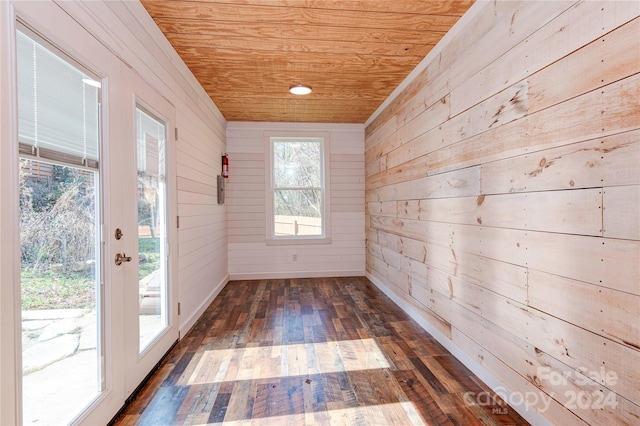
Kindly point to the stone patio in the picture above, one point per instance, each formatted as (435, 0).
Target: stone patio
(57, 343)
(59, 362)
(51, 335)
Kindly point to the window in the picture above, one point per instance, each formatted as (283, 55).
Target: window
(297, 198)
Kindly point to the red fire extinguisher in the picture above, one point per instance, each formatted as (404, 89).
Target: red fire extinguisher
(225, 165)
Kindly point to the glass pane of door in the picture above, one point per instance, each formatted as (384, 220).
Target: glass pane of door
(60, 247)
(152, 235)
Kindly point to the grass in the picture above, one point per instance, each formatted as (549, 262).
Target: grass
(74, 290)
(149, 247)
(53, 290)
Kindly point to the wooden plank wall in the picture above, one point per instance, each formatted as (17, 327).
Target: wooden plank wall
(503, 192)
(202, 233)
(249, 255)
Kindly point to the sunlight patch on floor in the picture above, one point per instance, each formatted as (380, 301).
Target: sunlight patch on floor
(254, 363)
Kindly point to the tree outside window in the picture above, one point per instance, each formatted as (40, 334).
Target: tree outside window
(298, 187)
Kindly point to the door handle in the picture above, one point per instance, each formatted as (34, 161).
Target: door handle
(122, 258)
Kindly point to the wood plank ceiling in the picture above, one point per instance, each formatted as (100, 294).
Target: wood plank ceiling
(353, 53)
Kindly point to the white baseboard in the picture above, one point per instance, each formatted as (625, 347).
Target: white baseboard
(295, 274)
(532, 416)
(195, 316)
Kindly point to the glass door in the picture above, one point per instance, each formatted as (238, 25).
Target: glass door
(151, 316)
(60, 250)
(93, 271)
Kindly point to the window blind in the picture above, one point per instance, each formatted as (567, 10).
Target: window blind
(151, 143)
(58, 112)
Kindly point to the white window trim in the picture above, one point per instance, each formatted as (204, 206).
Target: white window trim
(270, 237)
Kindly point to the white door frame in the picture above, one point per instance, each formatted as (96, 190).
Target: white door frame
(9, 220)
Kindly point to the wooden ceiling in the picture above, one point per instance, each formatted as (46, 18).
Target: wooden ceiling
(353, 53)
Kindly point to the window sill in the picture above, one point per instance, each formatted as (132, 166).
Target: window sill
(297, 241)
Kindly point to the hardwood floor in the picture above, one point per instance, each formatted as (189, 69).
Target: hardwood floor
(312, 351)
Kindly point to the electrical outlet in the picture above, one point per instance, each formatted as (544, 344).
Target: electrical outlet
(294, 257)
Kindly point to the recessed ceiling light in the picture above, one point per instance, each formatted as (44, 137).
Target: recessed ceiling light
(300, 89)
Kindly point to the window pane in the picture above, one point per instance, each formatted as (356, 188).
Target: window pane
(297, 164)
(298, 212)
(59, 283)
(152, 236)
